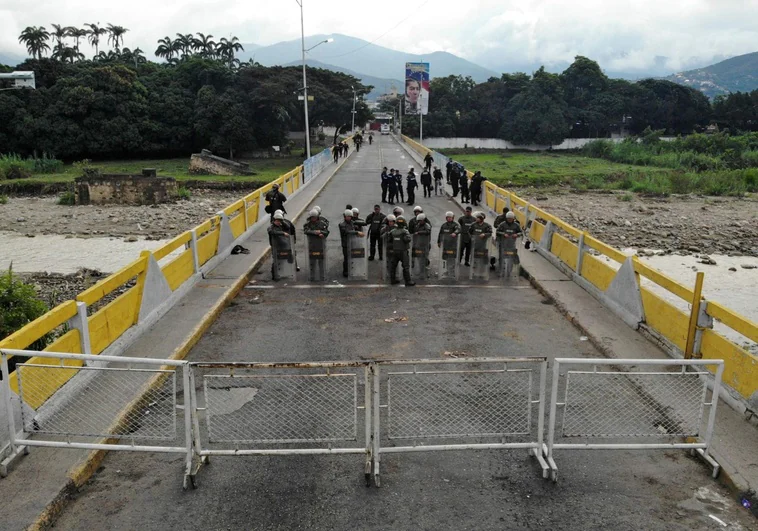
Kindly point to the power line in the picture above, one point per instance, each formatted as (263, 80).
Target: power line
(380, 36)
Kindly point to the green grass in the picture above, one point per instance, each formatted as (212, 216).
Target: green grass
(550, 169)
(184, 194)
(3, 199)
(266, 170)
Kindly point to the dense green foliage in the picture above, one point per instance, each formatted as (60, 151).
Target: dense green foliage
(581, 102)
(19, 305)
(121, 105)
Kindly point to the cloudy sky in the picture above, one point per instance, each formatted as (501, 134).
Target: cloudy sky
(623, 35)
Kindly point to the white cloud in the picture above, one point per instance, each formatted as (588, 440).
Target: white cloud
(620, 34)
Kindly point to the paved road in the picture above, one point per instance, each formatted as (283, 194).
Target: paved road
(453, 490)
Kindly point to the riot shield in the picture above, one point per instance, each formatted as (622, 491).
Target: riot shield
(420, 256)
(317, 262)
(283, 257)
(508, 260)
(357, 265)
(449, 250)
(480, 261)
(388, 254)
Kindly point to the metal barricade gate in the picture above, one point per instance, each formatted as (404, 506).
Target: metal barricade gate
(69, 400)
(130, 404)
(313, 408)
(613, 409)
(310, 407)
(459, 404)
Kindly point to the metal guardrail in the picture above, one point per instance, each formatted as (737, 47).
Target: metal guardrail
(276, 409)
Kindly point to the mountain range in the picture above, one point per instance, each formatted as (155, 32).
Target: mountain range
(381, 85)
(358, 55)
(736, 74)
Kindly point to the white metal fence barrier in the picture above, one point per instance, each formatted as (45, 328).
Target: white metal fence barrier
(367, 408)
(459, 404)
(106, 403)
(631, 404)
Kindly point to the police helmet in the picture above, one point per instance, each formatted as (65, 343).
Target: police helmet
(317, 209)
(391, 218)
(279, 211)
(421, 217)
(510, 215)
(417, 209)
(480, 215)
(401, 218)
(348, 213)
(356, 211)
(397, 211)
(313, 213)
(449, 214)
(278, 215)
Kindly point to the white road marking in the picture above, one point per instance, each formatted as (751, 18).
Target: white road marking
(377, 286)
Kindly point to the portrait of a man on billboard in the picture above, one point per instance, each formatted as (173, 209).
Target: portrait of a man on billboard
(416, 88)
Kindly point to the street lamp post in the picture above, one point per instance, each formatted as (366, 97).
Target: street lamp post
(352, 129)
(305, 81)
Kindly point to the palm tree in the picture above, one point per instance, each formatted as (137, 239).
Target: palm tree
(67, 54)
(226, 50)
(167, 48)
(77, 34)
(204, 45)
(135, 56)
(93, 35)
(59, 33)
(186, 43)
(35, 38)
(116, 36)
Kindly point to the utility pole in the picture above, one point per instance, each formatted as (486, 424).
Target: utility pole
(305, 84)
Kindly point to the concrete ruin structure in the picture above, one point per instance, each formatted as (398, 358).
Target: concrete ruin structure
(95, 188)
(206, 163)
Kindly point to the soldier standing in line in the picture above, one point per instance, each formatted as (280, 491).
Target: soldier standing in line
(465, 198)
(455, 179)
(449, 227)
(374, 222)
(412, 185)
(322, 218)
(399, 180)
(290, 228)
(412, 223)
(448, 171)
(465, 222)
(400, 239)
(392, 187)
(347, 229)
(316, 231)
(426, 182)
(476, 187)
(384, 184)
(279, 239)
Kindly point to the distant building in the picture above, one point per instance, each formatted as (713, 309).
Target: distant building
(20, 79)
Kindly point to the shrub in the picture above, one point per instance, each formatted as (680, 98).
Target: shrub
(19, 305)
(183, 194)
(67, 198)
(599, 149)
(17, 171)
(627, 197)
(47, 164)
(3, 199)
(681, 183)
(81, 166)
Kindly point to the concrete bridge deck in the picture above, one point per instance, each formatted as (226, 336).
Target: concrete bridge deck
(294, 321)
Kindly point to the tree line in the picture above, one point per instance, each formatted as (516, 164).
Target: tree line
(119, 104)
(582, 101)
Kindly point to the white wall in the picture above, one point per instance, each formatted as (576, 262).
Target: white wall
(496, 143)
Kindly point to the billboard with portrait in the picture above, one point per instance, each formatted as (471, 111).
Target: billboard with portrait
(416, 88)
